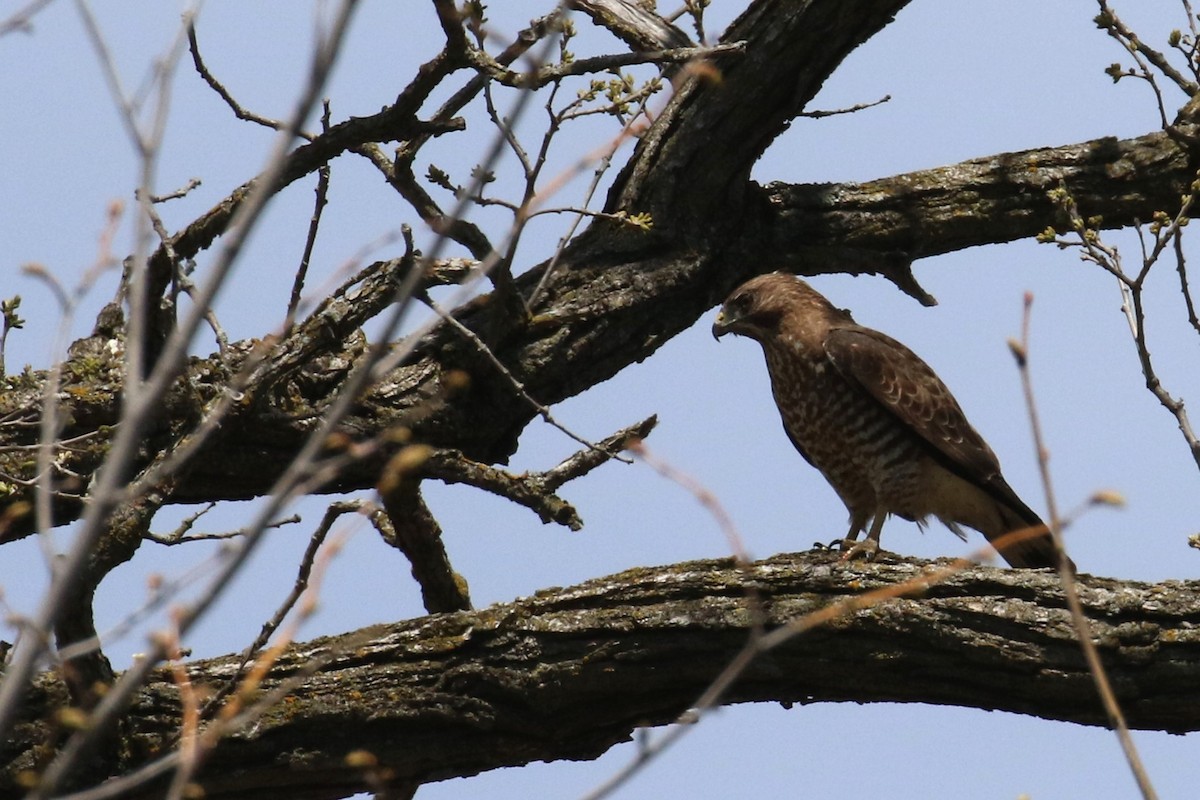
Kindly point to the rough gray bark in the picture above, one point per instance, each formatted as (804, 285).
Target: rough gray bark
(569, 672)
(1000, 198)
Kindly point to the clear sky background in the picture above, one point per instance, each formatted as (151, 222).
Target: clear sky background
(966, 80)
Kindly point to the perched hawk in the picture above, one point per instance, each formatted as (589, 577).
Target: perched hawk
(876, 421)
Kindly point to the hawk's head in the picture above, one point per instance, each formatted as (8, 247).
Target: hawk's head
(760, 306)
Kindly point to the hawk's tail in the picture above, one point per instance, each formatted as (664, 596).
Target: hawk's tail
(1026, 547)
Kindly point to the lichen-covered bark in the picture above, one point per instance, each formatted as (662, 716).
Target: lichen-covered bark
(567, 673)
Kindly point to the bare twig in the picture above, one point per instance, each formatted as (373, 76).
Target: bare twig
(516, 385)
(219, 88)
(178, 194)
(182, 533)
(702, 494)
(589, 458)
(1184, 287)
(297, 478)
(189, 702)
(1112, 24)
(50, 420)
(602, 158)
(304, 572)
(399, 171)
(528, 490)
(109, 488)
(553, 73)
(314, 224)
(1070, 588)
(22, 19)
(1166, 230)
(849, 110)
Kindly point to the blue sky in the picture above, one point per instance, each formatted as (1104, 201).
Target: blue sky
(966, 80)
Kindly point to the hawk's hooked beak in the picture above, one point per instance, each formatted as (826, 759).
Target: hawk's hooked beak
(721, 325)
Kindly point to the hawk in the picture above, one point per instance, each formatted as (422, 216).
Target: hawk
(877, 422)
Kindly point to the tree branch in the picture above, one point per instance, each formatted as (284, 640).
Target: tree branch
(691, 169)
(920, 214)
(605, 309)
(570, 672)
(634, 23)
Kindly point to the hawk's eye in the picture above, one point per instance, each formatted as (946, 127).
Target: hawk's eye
(739, 304)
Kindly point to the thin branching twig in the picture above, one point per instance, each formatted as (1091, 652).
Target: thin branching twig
(140, 396)
(517, 386)
(218, 87)
(314, 225)
(1165, 232)
(1083, 631)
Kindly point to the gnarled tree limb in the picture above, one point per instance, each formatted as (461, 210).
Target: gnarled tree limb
(604, 312)
(570, 672)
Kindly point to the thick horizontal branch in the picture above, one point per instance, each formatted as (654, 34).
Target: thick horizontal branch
(570, 672)
(988, 200)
